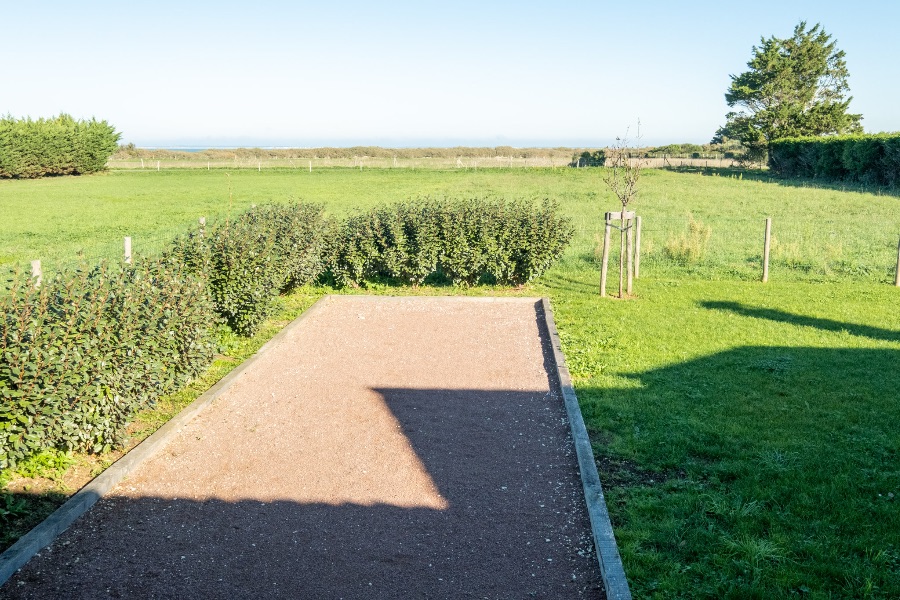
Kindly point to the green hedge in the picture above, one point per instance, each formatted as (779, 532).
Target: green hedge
(80, 355)
(251, 258)
(56, 146)
(463, 241)
(867, 159)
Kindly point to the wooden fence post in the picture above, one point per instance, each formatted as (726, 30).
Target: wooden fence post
(604, 265)
(202, 225)
(128, 250)
(897, 272)
(766, 246)
(637, 250)
(157, 166)
(36, 273)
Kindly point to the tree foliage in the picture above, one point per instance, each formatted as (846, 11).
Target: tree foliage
(795, 87)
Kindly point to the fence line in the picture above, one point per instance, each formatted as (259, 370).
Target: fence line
(363, 162)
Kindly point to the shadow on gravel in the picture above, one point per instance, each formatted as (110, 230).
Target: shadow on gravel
(515, 527)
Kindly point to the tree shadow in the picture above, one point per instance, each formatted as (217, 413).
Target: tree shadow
(795, 447)
(875, 333)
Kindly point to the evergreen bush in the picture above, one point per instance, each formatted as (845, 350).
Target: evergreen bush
(867, 159)
(56, 146)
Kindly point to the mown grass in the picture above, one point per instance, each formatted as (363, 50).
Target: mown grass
(746, 433)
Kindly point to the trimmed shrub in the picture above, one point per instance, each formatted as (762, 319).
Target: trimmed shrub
(57, 146)
(465, 241)
(867, 159)
(250, 259)
(83, 353)
(597, 158)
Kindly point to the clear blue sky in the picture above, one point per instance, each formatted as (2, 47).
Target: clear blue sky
(407, 73)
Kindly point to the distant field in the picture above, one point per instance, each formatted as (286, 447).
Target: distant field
(746, 434)
(819, 234)
(187, 161)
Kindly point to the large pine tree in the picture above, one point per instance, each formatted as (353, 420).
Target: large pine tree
(795, 87)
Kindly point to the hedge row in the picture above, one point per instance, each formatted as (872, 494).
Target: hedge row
(81, 354)
(56, 146)
(251, 258)
(868, 159)
(462, 241)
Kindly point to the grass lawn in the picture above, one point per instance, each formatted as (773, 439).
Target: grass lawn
(747, 434)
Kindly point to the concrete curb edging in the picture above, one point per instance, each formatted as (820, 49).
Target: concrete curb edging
(17, 555)
(611, 568)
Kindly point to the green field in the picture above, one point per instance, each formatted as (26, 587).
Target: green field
(746, 434)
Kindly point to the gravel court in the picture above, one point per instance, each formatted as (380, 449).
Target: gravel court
(385, 448)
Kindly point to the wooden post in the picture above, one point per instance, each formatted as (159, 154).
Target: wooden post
(629, 244)
(604, 265)
(637, 249)
(157, 166)
(142, 163)
(128, 250)
(897, 275)
(259, 166)
(36, 273)
(207, 165)
(202, 225)
(765, 276)
(310, 166)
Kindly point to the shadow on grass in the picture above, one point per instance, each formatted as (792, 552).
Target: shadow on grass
(759, 472)
(770, 314)
(766, 176)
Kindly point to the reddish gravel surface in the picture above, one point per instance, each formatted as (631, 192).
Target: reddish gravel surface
(385, 448)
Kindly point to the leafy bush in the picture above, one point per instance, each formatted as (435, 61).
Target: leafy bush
(868, 159)
(251, 258)
(596, 158)
(57, 146)
(689, 247)
(465, 241)
(82, 353)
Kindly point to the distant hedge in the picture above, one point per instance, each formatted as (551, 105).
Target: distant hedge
(464, 241)
(868, 159)
(56, 146)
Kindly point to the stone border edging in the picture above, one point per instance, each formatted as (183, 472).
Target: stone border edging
(611, 568)
(43, 534)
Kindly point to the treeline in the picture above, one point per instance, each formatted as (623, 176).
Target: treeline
(573, 156)
(55, 146)
(85, 350)
(867, 159)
